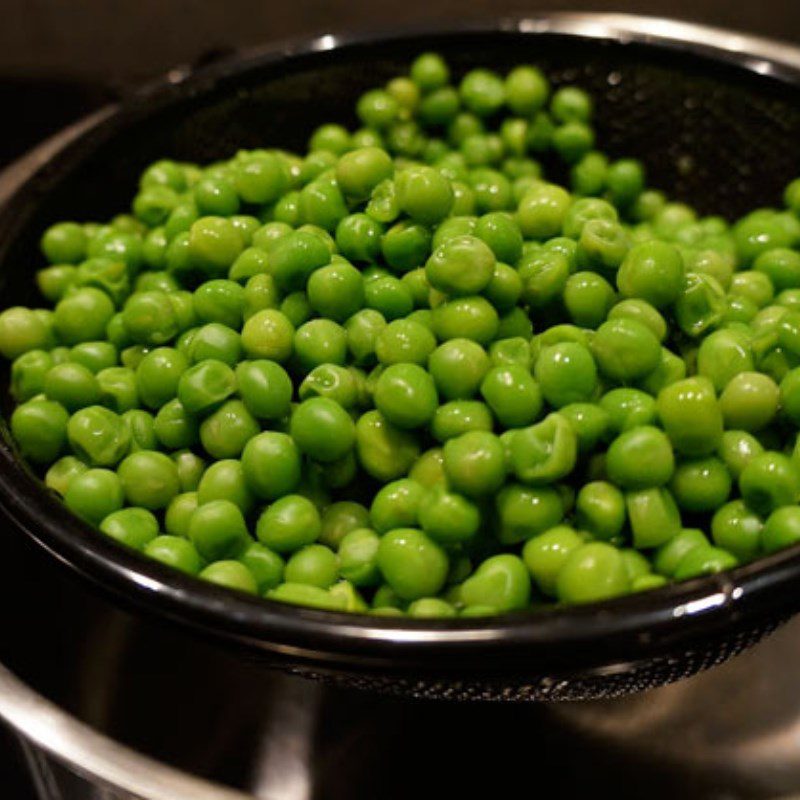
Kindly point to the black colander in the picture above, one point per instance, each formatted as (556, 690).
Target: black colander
(715, 117)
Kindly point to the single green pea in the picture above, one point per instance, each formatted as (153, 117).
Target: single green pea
(396, 505)
(544, 276)
(80, 316)
(60, 474)
(175, 427)
(404, 341)
(218, 530)
(149, 479)
(264, 387)
(463, 265)
(362, 331)
(28, 374)
(566, 374)
(600, 510)
(271, 465)
(64, 243)
(40, 429)
(691, 416)
(72, 385)
(320, 341)
(723, 355)
(749, 401)
(313, 565)
(447, 517)
(226, 480)
(542, 210)
(411, 563)
(268, 334)
(95, 356)
(179, 513)
(545, 452)
(226, 431)
(158, 376)
(428, 470)
(501, 582)
(474, 463)
(290, 523)
(641, 311)
(322, 429)
(588, 298)
(640, 457)
(176, 552)
(406, 395)
(768, 481)
(339, 518)
(653, 515)
(94, 494)
(97, 436)
(230, 574)
(590, 422)
(133, 527)
(701, 485)
(513, 395)
(458, 367)
(704, 561)
(525, 512)
(782, 529)
(737, 529)
(512, 350)
(627, 409)
(790, 395)
(625, 349)
(701, 304)
(205, 386)
(385, 451)
(592, 572)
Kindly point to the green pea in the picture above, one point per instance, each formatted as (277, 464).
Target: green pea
(385, 451)
(225, 480)
(218, 530)
(179, 513)
(749, 401)
(320, 341)
(40, 428)
(28, 374)
(149, 318)
(542, 210)
(406, 395)
(94, 494)
(592, 572)
(474, 463)
(61, 473)
(458, 367)
(737, 529)
(691, 416)
(175, 552)
(271, 465)
(264, 387)
(133, 527)
(205, 386)
(701, 304)
(411, 563)
(230, 574)
(461, 266)
(588, 298)
(545, 452)
(64, 243)
(175, 427)
(654, 518)
(226, 431)
(290, 523)
(669, 555)
(149, 479)
(80, 316)
(513, 395)
(458, 417)
(404, 341)
(769, 480)
(704, 561)
(600, 509)
(322, 429)
(640, 457)
(566, 374)
(590, 422)
(701, 485)
(782, 529)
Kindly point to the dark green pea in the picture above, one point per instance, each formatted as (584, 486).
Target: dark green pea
(175, 427)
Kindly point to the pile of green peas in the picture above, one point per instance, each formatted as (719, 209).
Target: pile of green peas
(405, 374)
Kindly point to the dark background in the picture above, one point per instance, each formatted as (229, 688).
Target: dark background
(60, 58)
